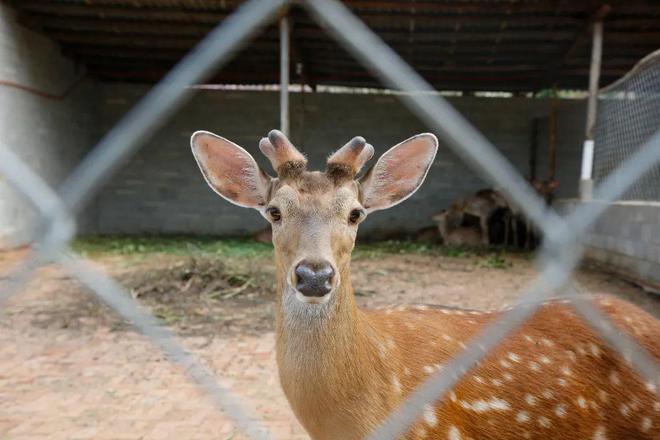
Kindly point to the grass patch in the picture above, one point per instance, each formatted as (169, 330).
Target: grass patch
(246, 248)
(174, 245)
(495, 261)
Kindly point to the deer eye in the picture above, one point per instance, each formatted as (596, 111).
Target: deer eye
(274, 214)
(355, 216)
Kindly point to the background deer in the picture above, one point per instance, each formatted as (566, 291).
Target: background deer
(454, 234)
(344, 370)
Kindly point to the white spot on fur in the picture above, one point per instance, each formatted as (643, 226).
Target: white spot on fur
(522, 417)
(396, 384)
(454, 433)
(545, 360)
(646, 424)
(599, 433)
(528, 338)
(548, 394)
(571, 355)
(614, 378)
(547, 342)
(560, 410)
(513, 357)
(582, 402)
(531, 400)
(406, 371)
(534, 366)
(447, 338)
(594, 349)
(496, 382)
(486, 405)
(428, 369)
(452, 396)
(656, 406)
(508, 377)
(381, 350)
(651, 387)
(625, 410)
(544, 422)
(602, 395)
(566, 371)
(562, 382)
(421, 307)
(429, 416)
(479, 379)
(438, 367)
(505, 364)
(461, 344)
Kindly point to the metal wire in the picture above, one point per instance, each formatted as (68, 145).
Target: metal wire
(628, 114)
(559, 257)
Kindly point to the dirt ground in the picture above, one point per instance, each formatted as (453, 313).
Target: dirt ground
(72, 369)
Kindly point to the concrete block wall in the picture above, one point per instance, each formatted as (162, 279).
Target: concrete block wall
(50, 133)
(161, 190)
(626, 238)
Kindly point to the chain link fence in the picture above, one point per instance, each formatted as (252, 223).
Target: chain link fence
(628, 115)
(559, 257)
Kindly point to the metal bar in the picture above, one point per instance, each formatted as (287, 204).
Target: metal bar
(552, 140)
(284, 75)
(594, 76)
(586, 181)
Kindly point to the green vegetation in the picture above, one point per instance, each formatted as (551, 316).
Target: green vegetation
(247, 248)
(495, 261)
(175, 245)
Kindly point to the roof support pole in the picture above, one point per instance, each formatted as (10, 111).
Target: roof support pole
(586, 181)
(284, 75)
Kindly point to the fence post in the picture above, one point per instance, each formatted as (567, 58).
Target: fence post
(586, 181)
(284, 75)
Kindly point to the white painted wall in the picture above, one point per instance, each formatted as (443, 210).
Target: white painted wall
(50, 134)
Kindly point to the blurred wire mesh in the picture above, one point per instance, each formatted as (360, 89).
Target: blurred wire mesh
(628, 115)
(561, 255)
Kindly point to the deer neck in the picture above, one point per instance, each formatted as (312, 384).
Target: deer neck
(327, 354)
(311, 333)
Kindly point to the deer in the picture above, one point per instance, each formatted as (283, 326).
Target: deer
(481, 205)
(453, 235)
(545, 189)
(344, 369)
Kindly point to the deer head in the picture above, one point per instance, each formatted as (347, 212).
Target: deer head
(314, 215)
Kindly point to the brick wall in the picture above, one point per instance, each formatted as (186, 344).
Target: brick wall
(162, 191)
(626, 239)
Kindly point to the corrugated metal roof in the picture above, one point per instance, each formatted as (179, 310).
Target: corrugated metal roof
(460, 45)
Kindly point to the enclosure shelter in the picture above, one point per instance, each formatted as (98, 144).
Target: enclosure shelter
(79, 66)
(70, 71)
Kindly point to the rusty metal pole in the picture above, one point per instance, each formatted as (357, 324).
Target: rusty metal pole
(586, 181)
(284, 75)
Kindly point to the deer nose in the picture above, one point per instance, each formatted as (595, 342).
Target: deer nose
(314, 278)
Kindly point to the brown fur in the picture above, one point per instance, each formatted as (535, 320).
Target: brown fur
(342, 385)
(344, 370)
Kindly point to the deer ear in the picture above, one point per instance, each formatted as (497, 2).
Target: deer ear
(230, 170)
(399, 172)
